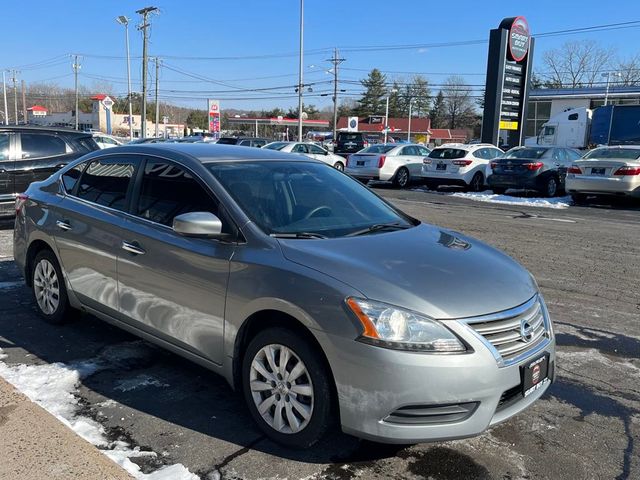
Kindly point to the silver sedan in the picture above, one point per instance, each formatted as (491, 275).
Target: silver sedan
(321, 302)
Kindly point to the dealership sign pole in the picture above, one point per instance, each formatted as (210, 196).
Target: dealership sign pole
(214, 117)
(508, 81)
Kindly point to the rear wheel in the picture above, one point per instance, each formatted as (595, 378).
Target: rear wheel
(287, 388)
(550, 187)
(339, 166)
(402, 178)
(48, 288)
(477, 183)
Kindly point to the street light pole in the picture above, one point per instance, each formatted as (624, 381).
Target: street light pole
(386, 115)
(300, 84)
(409, 127)
(122, 20)
(144, 27)
(606, 92)
(76, 67)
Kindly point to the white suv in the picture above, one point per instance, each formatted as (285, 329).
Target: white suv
(459, 164)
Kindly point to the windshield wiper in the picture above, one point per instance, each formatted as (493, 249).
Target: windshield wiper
(378, 227)
(302, 235)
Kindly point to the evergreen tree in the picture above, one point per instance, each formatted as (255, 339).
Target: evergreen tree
(421, 95)
(437, 112)
(373, 99)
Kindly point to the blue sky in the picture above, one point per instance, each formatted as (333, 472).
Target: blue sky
(39, 36)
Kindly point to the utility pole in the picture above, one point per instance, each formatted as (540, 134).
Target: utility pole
(76, 67)
(122, 20)
(145, 12)
(4, 94)
(336, 61)
(15, 94)
(300, 84)
(157, 103)
(24, 102)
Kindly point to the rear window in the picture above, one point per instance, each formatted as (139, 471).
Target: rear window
(525, 153)
(275, 145)
(350, 137)
(378, 149)
(445, 153)
(619, 153)
(227, 141)
(87, 144)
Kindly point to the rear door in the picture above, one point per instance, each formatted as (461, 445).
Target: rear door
(410, 157)
(39, 154)
(90, 227)
(7, 167)
(168, 284)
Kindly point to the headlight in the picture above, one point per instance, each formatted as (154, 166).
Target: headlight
(393, 327)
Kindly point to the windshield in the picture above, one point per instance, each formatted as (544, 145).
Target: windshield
(447, 153)
(525, 153)
(620, 153)
(301, 197)
(378, 149)
(275, 145)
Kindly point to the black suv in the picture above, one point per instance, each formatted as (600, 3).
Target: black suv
(244, 141)
(29, 154)
(350, 142)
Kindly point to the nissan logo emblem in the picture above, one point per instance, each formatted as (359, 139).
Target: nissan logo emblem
(526, 331)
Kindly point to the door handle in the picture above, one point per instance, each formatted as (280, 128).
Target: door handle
(63, 225)
(133, 248)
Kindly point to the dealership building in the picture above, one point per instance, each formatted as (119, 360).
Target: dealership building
(544, 103)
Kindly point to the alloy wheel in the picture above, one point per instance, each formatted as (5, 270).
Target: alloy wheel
(402, 178)
(46, 287)
(281, 388)
(552, 187)
(339, 166)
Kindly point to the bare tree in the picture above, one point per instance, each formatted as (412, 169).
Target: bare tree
(458, 102)
(575, 64)
(629, 71)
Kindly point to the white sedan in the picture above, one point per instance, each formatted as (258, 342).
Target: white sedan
(310, 150)
(397, 163)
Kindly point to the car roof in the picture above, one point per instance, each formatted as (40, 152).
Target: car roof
(39, 128)
(619, 147)
(465, 146)
(211, 152)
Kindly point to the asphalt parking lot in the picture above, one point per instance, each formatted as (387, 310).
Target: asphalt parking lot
(587, 426)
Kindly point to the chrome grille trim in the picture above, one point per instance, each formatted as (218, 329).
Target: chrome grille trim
(500, 332)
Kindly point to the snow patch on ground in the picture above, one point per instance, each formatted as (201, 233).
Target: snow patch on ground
(593, 355)
(54, 387)
(488, 196)
(141, 381)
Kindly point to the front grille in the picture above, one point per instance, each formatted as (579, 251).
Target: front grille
(504, 330)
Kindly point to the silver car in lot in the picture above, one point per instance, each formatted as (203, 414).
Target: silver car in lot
(605, 171)
(321, 302)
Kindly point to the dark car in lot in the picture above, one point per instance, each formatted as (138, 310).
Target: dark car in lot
(244, 141)
(350, 142)
(29, 154)
(532, 168)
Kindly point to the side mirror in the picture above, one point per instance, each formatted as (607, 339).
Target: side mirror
(198, 224)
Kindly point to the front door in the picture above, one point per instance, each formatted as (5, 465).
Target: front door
(89, 227)
(171, 285)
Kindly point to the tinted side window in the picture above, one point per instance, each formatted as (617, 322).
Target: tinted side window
(38, 145)
(424, 151)
(315, 150)
(300, 148)
(106, 182)
(168, 191)
(4, 146)
(481, 153)
(70, 178)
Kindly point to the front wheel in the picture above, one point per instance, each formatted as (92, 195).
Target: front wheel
(402, 178)
(339, 166)
(287, 388)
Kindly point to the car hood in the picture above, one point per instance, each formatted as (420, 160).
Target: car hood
(437, 272)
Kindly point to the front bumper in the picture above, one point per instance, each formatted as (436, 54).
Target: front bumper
(373, 383)
(627, 185)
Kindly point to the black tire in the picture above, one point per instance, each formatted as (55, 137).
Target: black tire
(550, 187)
(431, 185)
(45, 260)
(578, 198)
(402, 178)
(322, 416)
(477, 183)
(339, 166)
(499, 190)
